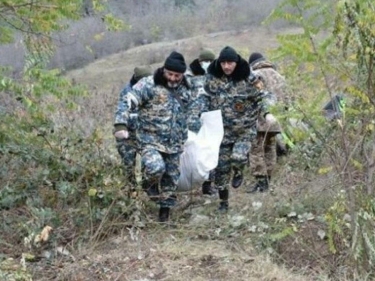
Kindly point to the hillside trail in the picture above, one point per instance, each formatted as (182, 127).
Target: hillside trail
(204, 245)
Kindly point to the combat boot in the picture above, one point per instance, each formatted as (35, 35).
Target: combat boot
(224, 196)
(152, 190)
(265, 184)
(261, 185)
(207, 189)
(164, 214)
(237, 178)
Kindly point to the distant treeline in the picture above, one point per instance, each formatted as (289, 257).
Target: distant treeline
(149, 21)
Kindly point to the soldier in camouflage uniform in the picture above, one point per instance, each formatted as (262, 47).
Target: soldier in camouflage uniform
(229, 88)
(161, 100)
(263, 150)
(127, 148)
(197, 74)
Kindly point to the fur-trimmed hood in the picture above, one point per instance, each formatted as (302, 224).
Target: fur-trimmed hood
(241, 72)
(196, 68)
(160, 80)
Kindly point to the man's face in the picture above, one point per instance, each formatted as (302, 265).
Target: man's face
(173, 78)
(228, 67)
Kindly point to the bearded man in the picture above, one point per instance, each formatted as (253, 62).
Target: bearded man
(161, 101)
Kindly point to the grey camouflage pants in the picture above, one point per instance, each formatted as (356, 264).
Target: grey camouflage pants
(128, 150)
(161, 169)
(234, 155)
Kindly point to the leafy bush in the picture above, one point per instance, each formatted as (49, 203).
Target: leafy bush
(320, 61)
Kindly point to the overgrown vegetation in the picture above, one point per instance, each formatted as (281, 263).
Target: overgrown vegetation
(323, 60)
(145, 22)
(58, 167)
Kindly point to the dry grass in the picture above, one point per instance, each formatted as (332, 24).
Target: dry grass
(163, 255)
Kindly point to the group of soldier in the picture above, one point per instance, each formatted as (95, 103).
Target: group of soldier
(156, 110)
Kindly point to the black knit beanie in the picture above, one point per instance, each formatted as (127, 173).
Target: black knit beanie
(228, 54)
(255, 57)
(175, 62)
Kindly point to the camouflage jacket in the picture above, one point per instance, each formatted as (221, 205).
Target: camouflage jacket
(196, 107)
(240, 102)
(274, 82)
(161, 113)
(119, 114)
(197, 78)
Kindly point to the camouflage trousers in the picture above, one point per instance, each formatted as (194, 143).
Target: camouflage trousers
(161, 169)
(127, 149)
(233, 155)
(263, 154)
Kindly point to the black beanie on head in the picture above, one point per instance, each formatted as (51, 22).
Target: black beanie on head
(255, 57)
(175, 62)
(228, 54)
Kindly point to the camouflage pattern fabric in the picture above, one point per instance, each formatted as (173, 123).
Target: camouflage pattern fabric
(127, 148)
(161, 117)
(163, 168)
(161, 132)
(131, 116)
(197, 106)
(240, 104)
(263, 154)
(233, 155)
(274, 82)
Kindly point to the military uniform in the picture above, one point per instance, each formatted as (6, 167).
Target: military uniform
(263, 153)
(240, 103)
(197, 76)
(127, 148)
(161, 134)
(161, 101)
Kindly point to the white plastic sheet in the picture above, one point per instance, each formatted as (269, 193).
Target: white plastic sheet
(201, 153)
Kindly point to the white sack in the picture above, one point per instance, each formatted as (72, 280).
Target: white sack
(201, 153)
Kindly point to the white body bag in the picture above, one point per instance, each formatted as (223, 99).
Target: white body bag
(201, 151)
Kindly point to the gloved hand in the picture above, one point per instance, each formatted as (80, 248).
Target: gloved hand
(270, 119)
(122, 134)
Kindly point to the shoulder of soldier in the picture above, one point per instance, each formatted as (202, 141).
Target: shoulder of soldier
(146, 82)
(197, 80)
(126, 89)
(269, 73)
(211, 78)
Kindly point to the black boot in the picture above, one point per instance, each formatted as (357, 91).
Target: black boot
(152, 190)
(164, 214)
(261, 184)
(207, 188)
(265, 184)
(224, 196)
(237, 178)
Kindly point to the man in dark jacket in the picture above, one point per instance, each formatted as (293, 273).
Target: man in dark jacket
(197, 74)
(229, 89)
(127, 147)
(161, 100)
